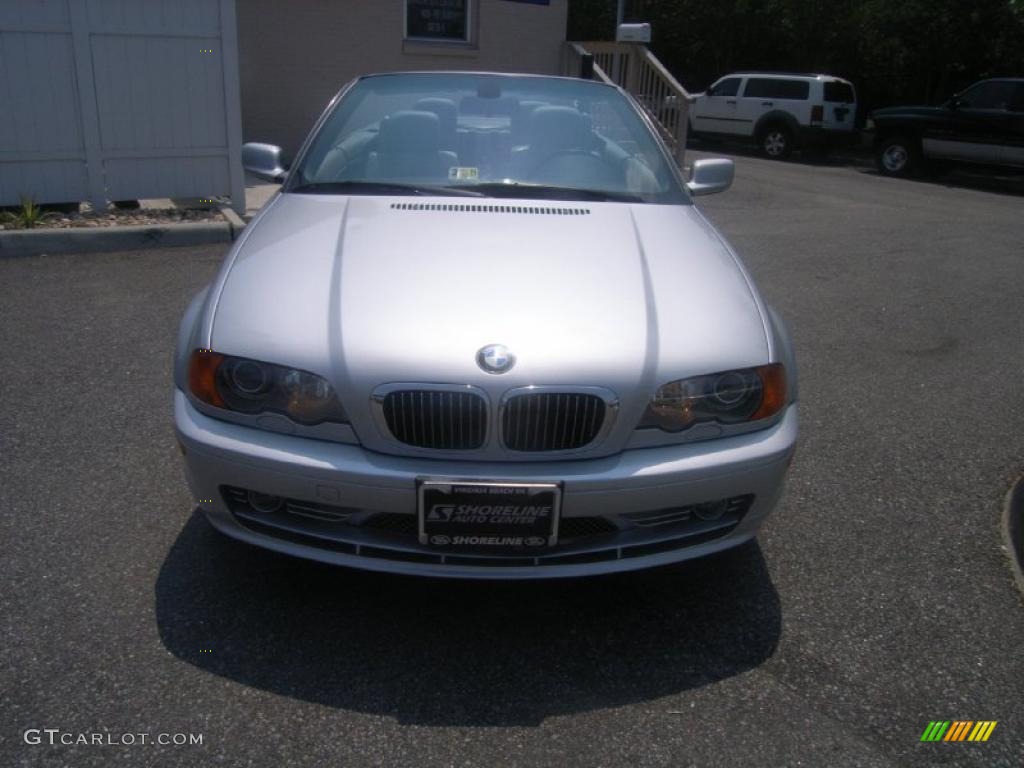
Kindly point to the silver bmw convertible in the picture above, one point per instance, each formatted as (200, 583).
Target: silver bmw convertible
(482, 331)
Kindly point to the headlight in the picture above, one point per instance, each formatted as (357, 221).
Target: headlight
(250, 386)
(729, 397)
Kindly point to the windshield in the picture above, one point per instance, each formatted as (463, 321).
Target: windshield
(486, 136)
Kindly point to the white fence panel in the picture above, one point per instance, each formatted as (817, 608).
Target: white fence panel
(119, 99)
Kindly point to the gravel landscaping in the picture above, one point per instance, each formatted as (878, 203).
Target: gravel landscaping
(117, 218)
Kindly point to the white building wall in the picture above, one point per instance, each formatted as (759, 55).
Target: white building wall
(296, 55)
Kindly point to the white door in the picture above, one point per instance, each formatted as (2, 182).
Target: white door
(840, 106)
(716, 110)
(762, 95)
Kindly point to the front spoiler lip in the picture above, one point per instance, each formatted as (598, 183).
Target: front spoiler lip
(228, 525)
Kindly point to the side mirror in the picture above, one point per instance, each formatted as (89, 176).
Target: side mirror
(264, 160)
(711, 176)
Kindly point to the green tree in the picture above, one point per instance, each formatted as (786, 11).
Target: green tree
(914, 50)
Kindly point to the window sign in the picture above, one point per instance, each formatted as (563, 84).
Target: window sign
(437, 20)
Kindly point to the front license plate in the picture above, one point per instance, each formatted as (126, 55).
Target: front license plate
(491, 516)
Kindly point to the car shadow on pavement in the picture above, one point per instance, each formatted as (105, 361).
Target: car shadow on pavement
(996, 182)
(1002, 181)
(843, 157)
(455, 653)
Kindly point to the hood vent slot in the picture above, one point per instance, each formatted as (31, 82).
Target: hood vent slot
(529, 210)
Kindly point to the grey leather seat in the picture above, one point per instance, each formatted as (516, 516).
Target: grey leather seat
(447, 114)
(521, 121)
(409, 147)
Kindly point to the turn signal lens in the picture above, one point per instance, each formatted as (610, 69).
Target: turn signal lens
(729, 397)
(773, 382)
(202, 376)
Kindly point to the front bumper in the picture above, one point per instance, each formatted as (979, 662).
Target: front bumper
(614, 490)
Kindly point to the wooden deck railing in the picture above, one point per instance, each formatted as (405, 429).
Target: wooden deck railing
(635, 69)
(575, 54)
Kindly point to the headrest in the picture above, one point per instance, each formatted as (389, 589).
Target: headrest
(410, 131)
(445, 110)
(521, 117)
(556, 128)
(504, 106)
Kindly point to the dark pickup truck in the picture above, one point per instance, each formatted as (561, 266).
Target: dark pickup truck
(983, 124)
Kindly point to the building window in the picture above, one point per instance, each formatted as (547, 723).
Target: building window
(446, 21)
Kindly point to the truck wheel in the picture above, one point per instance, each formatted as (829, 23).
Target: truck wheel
(897, 156)
(776, 141)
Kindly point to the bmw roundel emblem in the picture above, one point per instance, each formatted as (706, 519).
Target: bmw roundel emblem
(495, 358)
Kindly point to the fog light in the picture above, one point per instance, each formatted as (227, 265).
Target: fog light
(711, 510)
(264, 502)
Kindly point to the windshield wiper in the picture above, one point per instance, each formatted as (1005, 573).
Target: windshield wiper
(547, 192)
(507, 189)
(358, 187)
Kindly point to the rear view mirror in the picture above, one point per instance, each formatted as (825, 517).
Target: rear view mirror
(264, 161)
(711, 176)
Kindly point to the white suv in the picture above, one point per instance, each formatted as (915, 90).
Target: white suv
(779, 111)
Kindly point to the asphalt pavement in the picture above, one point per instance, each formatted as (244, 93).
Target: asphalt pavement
(878, 598)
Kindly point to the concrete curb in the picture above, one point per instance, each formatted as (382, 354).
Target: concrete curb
(1013, 530)
(87, 240)
(236, 222)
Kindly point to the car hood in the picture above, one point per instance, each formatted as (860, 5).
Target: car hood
(375, 290)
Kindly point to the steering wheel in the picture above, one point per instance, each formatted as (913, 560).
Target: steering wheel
(575, 164)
